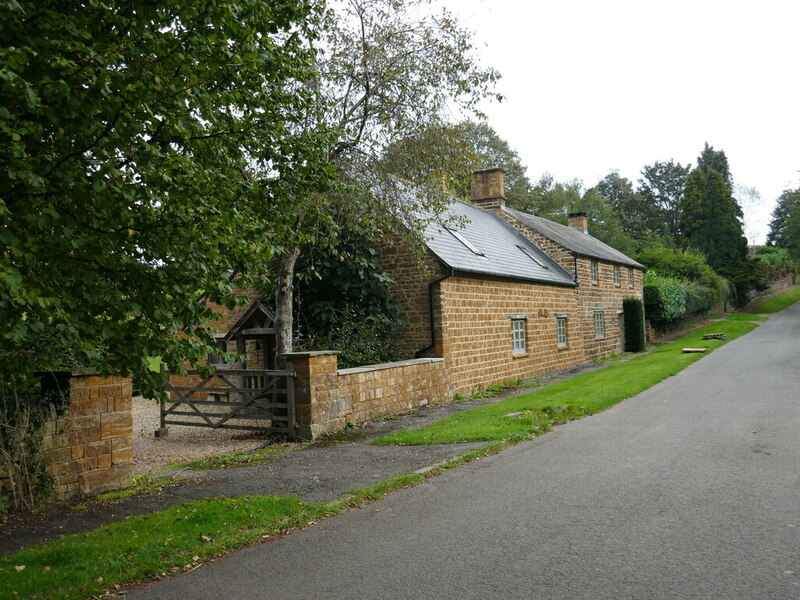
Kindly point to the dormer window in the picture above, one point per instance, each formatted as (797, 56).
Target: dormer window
(464, 241)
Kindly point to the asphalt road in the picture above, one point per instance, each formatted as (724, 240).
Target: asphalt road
(689, 490)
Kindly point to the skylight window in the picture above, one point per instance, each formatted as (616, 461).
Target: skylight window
(529, 253)
(464, 241)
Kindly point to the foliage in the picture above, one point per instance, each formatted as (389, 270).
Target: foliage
(387, 70)
(23, 414)
(704, 287)
(604, 223)
(637, 218)
(522, 417)
(361, 338)
(633, 315)
(710, 222)
(779, 234)
(664, 298)
(661, 189)
(775, 263)
(344, 299)
(452, 152)
(150, 151)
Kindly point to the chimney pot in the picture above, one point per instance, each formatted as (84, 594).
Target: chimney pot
(488, 189)
(579, 220)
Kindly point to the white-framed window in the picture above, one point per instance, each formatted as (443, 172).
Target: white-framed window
(630, 277)
(599, 323)
(617, 276)
(561, 331)
(594, 269)
(518, 345)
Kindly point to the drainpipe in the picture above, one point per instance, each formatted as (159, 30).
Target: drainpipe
(422, 351)
(575, 267)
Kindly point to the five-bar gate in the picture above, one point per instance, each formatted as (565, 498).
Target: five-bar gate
(249, 399)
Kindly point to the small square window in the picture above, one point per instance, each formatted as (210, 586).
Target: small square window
(630, 277)
(617, 276)
(595, 271)
(599, 324)
(561, 332)
(518, 336)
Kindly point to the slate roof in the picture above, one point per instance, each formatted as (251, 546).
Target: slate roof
(573, 239)
(501, 249)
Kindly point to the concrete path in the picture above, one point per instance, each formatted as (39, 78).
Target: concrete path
(689, 490)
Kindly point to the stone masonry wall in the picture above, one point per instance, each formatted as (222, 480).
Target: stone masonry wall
(410, 288)
(607, 296)
(328, 398)
(89, 450)
(477, 343)
(604, 294)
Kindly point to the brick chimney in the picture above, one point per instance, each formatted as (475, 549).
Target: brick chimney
(579, 220)
(488, 189)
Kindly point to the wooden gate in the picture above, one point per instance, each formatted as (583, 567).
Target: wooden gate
(265, 398)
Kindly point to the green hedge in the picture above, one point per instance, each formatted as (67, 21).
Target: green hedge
(633, 315)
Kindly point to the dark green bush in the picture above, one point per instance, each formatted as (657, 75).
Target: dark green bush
(633, 315)
(361, 339)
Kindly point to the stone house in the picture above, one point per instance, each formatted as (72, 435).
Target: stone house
(498, 295)
(507, 295)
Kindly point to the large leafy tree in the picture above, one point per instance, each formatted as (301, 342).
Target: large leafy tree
(151, 152)
(388, 69)
(638, 216)
(451, 152)
(661, 190)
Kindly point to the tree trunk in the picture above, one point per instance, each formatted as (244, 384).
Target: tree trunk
(284, 318)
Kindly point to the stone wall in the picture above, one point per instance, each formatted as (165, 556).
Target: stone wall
(607, 296)
(328, 398)
(477, 341)
(90, 449)
(412, 276)
(87, 446)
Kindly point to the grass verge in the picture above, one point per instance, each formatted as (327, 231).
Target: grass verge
(524, 416)
(170, 541)
(780, 301)
(747, 317)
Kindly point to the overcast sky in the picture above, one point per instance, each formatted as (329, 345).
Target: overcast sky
(594, 86)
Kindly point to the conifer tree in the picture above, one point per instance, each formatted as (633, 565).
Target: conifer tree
(710, 218)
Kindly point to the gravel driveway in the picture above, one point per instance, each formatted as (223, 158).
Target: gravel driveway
(151, 454)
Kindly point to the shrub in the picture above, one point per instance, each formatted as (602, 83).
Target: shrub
(361, 339)
(633, 315)
(664, 299)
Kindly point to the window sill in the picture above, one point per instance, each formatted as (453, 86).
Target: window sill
(519, 354)
(560, 348)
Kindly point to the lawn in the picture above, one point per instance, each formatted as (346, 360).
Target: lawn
(780, 301)
(524, 416)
